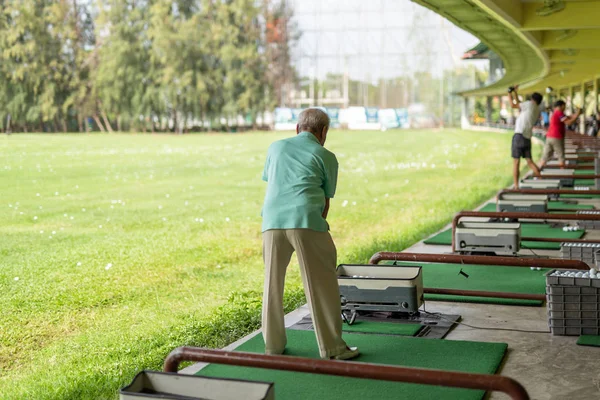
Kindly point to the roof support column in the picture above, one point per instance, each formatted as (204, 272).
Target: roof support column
(595, 92)
(582, 118)
(549, 100)
(570, 100)
(488, 109)
(464, 115)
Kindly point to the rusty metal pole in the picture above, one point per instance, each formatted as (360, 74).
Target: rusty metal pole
(546, 191)
(479, 260)
(349, 369)
(483, 293)
(570, 167)
(585, 158)
(588, 176)
(517, 215)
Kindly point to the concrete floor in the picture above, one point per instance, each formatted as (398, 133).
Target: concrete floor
(550, 367)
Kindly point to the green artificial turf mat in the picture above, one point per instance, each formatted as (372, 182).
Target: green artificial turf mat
(552, 205)
(579, 196)
(490, 278)
(561, 205)
(584, 182)
(527, 230)
(583, 172)
(388, 328)
(448, 355)
(589, 340)
(483, 300)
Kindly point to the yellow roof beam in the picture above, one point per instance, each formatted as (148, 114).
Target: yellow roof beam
(581, 71)
(581, 39)
(509, 10)
(571, 77)
(583, 55)
(576, 15)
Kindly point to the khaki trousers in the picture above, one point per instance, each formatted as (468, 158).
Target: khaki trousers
(554, 146)
(317, 257)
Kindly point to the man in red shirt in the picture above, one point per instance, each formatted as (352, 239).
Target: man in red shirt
(555, 137)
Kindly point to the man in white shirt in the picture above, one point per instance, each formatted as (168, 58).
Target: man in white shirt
(521, 141)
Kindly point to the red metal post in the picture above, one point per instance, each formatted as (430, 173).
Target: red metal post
(546, 191)
(479, 260)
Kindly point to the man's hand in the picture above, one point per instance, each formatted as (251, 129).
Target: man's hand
(514, 97)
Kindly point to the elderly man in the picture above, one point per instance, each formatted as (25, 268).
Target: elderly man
(301, 177)
(521, 141)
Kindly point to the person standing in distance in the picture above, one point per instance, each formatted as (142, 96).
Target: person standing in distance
(555, 137)
(301, 177)
(521, 141)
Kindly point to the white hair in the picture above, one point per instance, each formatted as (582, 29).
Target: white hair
(313, 120)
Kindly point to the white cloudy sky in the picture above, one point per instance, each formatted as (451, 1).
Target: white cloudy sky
(375, 38)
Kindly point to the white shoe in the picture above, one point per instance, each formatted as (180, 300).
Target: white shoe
(348, 354)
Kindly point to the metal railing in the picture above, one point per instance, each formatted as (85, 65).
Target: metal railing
(349, 369)
(480, 260)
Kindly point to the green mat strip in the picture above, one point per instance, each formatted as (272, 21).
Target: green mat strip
(489, 278)
(579, 196)
(483, 300)
(589, 340)
(448, 355)
(389, 328)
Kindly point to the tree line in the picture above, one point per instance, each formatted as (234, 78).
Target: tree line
(140, 65)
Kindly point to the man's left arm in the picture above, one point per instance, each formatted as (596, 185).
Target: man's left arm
(330, 183)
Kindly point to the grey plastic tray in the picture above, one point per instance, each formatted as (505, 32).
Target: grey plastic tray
(573, 305)
(573, 331)
(152, 385)
(578, 306)
(566, 281)
(573, 314)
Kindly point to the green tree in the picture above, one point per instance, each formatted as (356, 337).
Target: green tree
(242, 58)
(142, 64)
(124, 75)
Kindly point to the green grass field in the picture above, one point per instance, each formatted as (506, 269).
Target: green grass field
(117, 248)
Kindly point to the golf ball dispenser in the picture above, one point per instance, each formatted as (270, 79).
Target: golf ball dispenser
(380, 288)
(488, 238)
(523, 203)
(540, 184)
(564, 182)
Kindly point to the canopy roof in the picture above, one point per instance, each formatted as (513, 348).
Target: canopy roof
(479, 52)
(542, 43)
